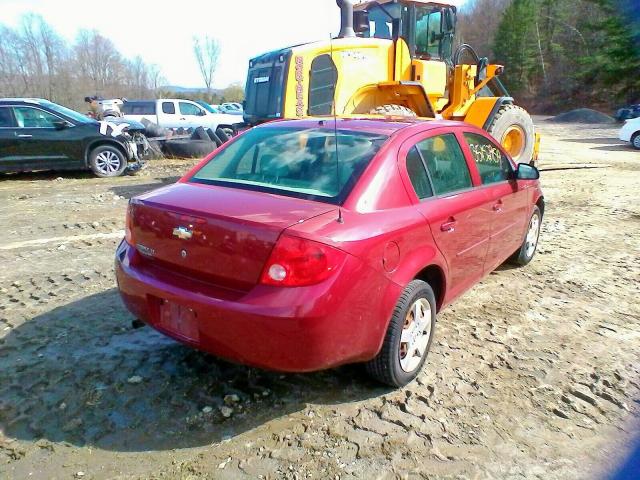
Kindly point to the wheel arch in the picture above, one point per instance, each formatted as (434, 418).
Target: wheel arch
(540, 204)
(426, 264)
(408, 94)
(99, 142)
(435, 277)
(500, 102)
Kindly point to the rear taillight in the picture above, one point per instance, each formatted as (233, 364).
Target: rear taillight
(128, 229)
(295, 262)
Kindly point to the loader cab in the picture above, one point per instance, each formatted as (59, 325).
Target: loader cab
(428, 28)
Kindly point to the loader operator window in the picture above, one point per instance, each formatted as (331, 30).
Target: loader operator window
(431, 39)
(381, 21)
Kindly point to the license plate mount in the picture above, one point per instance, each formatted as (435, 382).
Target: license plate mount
(179, 319)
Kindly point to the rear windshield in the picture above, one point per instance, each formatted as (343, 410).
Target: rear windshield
(139, 108)
(297, 162)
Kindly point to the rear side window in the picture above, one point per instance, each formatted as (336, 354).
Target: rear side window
(168, 108)
(446, 163)
(293, 161)
(139, 108)
(492, 164)
(418, 174)
(6, 119)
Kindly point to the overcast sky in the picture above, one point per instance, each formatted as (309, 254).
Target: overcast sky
(161, 32)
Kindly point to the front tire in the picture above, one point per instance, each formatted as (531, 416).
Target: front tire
(107, 161)
(530, 244)
(408, 338)
(635, 141)
(513, 128)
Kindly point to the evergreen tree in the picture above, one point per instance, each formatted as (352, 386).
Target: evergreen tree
(516, 47)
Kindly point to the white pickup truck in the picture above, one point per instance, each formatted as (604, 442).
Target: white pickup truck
(175, 113)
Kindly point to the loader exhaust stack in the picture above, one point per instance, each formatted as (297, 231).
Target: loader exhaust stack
(346, 18)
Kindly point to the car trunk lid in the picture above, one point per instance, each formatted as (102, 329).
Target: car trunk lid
(215, 234)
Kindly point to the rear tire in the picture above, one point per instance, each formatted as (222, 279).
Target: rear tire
(107, 161)
(530, 244)
(513, 124)
(394, 111)
(414, 320)
(635, 141)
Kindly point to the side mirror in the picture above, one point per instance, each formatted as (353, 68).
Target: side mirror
(61, 124)
(361, 21)
(527, 172)
(450, 20)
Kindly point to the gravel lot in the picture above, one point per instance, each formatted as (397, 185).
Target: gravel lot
(535, 373)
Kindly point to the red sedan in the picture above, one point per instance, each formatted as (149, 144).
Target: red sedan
(303, 245)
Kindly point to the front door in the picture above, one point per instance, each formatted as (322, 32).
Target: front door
(455, 211)
(506, 200)
(191, 114)
(40, 145)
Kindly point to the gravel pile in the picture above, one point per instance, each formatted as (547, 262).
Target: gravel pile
(583, 115)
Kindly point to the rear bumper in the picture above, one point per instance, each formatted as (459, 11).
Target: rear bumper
(342, 320)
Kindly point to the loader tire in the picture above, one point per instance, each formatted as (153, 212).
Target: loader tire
(394, 111)
(513, 128)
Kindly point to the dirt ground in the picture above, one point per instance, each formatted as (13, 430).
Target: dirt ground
(535, 373)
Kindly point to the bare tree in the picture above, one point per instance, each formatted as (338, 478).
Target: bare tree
(206, 50)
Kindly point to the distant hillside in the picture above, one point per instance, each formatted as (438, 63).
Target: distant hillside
(179, 89)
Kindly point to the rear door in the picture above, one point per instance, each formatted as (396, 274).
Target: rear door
(507, 201)
(455, 211)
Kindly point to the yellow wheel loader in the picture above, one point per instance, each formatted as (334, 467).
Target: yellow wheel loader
(392, 58)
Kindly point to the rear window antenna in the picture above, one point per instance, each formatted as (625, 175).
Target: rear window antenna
(335, 135)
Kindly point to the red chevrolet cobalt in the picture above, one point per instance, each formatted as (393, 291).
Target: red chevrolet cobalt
(303, 244)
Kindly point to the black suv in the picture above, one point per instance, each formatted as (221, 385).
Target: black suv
(36, 134)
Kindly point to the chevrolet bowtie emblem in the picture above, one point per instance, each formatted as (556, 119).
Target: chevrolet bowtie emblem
(182, 233)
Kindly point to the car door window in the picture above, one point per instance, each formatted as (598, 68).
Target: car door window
(446, 164)
(28, 117)
(492, 164)
(418, 174)
(168, 108)
(6, 119)
(189, 109)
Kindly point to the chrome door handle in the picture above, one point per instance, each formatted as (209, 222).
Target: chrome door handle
(23, 135)
(498, 206)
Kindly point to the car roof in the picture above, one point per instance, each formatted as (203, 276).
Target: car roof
(37, 101)
(382, 125)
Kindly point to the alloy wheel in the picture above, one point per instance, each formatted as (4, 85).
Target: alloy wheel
(416, 333)
(532, 235)
(107, 162)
